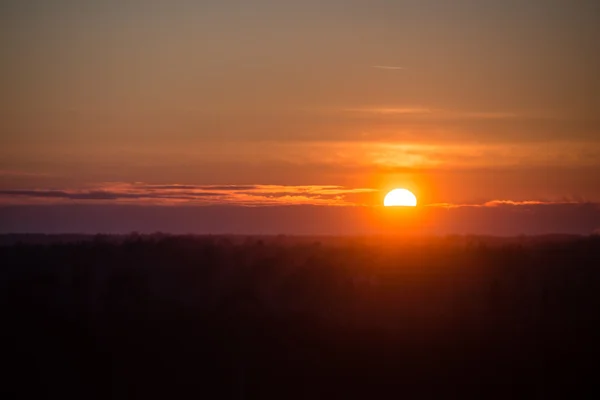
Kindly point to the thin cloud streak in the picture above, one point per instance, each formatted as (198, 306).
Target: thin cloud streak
(21, 174)
(234, 195)
(196, 187)
(500, 203)
(144, 194)
(388, 67)
(442, 114)
(391, 110)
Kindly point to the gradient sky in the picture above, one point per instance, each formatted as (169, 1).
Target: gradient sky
(264, 103)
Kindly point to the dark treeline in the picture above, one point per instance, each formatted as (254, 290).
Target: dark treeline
(251, 318)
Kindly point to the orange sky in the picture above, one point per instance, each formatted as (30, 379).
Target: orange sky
(463, 103)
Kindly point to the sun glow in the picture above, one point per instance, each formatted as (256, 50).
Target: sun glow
(400, 198)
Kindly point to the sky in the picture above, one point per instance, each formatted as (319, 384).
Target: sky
(289, 108)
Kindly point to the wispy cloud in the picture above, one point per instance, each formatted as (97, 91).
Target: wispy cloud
(501, 203)
(436, 113)
(241, 195)
(21, 174)
(100, 194)
(389, 67)
(482, 115)
(391, 110)
(497, 203)
(142, 193)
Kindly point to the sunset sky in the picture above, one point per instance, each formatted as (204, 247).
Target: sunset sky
(192, 115)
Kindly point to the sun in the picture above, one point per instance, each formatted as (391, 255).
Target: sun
(400, 198)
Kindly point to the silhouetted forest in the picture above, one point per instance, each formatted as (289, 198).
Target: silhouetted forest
(159, 316)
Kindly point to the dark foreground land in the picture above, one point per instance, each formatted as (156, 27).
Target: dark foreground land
(316, 318)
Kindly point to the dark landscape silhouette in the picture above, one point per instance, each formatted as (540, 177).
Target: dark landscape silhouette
(235, 317)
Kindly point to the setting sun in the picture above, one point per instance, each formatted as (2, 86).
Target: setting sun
(400, 197)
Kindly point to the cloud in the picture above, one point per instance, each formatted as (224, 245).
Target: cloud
(496, 203)
(502, 203)
(484, 115)
(21, 174)
(388, 67)
(97, 194)
(391, 110)
(197, 187)
(257, 195)
(142, 193)
(435, 113)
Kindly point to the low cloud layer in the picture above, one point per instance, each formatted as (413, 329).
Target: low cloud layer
(504, 203)
(234, 195)
(145, 194)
